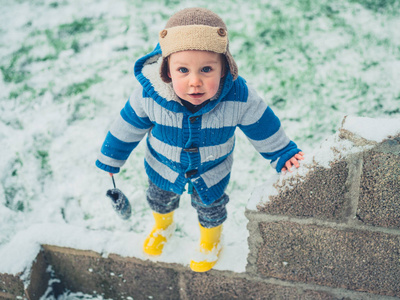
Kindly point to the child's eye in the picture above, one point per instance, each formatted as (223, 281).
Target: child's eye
(183, 70)
(206, 69)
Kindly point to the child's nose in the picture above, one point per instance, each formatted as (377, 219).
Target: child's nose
(195, 80)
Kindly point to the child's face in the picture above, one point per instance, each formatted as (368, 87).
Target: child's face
(195, 74)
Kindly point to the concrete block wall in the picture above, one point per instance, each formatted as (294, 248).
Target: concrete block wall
(327, 232)
(337, 227)
(117, 277)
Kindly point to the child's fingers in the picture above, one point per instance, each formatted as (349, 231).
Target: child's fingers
(288, 165)
(292, 162)
(295, 162)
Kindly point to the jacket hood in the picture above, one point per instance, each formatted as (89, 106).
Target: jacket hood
(147, 72)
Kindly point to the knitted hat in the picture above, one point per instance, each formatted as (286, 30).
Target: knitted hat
(195, 29)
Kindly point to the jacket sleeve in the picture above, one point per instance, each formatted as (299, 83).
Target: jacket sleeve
(263, 129)
(125, 133)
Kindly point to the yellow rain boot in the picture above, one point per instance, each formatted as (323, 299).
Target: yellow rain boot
(162, 230)
(209, 249)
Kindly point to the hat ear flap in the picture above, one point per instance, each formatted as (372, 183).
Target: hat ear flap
(164, 70)
(232, 66)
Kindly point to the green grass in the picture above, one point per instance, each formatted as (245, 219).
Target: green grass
(10, 194)
(12, 72)
(76, 27)
(380, 6)
(80, 87)
(67, 36)
(25, 88)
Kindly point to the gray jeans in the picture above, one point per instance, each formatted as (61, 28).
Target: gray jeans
(164, 202)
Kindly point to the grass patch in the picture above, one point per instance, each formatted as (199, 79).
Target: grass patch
(10, 194)
(54, 4)
(380, 6)
(11, 73)
(75, 46)
(80, 87)
(66, 36)
(76, 27)
(25, 88)
(79, 111)
(43, 157)
(58, 44)
(17, 164)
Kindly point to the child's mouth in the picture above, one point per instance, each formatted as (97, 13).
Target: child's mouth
(196, 95)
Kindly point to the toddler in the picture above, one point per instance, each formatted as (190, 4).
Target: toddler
(189, 104)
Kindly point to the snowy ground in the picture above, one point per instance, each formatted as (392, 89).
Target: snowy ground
(66, 71)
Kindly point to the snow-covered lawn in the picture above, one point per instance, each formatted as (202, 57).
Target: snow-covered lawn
(66, 71)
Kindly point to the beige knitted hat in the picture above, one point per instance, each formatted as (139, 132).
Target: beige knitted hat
(195, 29)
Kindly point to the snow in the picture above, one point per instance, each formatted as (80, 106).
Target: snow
(372, 129)
(262, 193)
(66, 71)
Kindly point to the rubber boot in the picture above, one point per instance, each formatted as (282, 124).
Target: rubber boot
(162, 230)
(209, 249)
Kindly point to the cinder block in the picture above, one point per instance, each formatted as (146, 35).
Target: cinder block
(350, 259)
(113, 277)
(39, 278)
(379, 201)
(11, 286)
(219, 287)
(320, 195)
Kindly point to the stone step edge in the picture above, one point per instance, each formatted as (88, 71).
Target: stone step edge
(31, 292)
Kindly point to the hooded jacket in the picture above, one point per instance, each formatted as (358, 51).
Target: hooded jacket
(185, 147)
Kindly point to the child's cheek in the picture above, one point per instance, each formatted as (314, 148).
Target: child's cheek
(214, 87)
(178, 88)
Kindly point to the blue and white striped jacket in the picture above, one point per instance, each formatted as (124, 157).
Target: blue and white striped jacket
(185, 147)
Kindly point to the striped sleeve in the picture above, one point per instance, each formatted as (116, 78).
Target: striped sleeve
(263, 129)
(125, 133)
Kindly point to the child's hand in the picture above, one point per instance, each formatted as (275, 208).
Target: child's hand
(294, 161)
